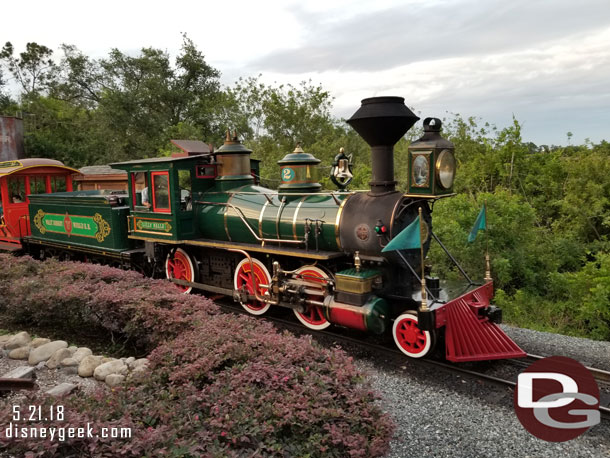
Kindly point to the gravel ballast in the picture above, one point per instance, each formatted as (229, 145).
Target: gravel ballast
(445, 415)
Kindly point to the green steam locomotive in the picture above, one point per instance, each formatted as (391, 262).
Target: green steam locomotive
(205, 223)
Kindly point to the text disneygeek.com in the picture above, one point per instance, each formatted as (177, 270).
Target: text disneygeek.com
(18, 430)
(61, 433)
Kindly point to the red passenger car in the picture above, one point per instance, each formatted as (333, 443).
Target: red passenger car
(18, 180)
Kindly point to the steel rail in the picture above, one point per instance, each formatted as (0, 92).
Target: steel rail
(385, 350)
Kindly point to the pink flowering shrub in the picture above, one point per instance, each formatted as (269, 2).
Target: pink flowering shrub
(219, 384)
(72, 297)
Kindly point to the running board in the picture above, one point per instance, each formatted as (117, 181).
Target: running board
(469, 337)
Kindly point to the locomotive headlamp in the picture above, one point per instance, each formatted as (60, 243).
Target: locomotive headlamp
(445, 169)
(431, 163)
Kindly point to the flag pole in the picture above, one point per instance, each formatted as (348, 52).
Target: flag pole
(424, 303)
(487, 265)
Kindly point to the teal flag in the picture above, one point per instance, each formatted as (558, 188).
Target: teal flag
(407, 239)
(479, 225)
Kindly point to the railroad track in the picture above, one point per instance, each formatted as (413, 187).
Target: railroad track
(399, 359)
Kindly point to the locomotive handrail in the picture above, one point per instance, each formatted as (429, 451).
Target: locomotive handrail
(245, 221)
(333, 194)
(457, 264)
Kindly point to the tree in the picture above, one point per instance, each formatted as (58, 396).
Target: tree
(34, 69)
(5, 100)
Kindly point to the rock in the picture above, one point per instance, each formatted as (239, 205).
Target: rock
(18, 340)
(41, 365)
(139, 374)
(88, 365)
(111, 367)
(67, 362)
(19, 353)
(142, 362)
(38, 341)
(45, 351)
(107, 359)
(21, 372)
(62, 390)
(81, 352)
(114, 380)
(4, 338)
(129, 361)
(73, 348)
(59, 355)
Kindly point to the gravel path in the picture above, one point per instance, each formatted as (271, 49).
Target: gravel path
(445, 415)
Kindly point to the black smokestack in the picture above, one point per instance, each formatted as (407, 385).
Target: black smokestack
(381, 122)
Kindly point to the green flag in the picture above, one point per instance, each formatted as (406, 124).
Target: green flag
(479, 225)
(407, 239)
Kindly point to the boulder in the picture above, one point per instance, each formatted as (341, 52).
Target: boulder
(58, 356)
(142, 362)
(111, 367)
(61, 390)
(114, 380)
(68, 362)
(129, 361)
(81, 352)
(4, 338)
(88, 365)
(45, 351)
(38, 341)
(18, 340)
(19, 353)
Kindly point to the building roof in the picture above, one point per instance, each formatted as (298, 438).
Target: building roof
(101, 170)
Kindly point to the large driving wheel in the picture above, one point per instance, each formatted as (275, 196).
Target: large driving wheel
(313, 317)
(179, 265)
(411, 340)
(249, 277)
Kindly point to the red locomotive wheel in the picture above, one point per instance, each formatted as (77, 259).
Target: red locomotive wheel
(244, 278)
(411, 340)
(180, 266)
(313, 317)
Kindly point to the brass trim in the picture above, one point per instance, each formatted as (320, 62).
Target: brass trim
(393, 214)
(429, 196)
(294, 218)
(437, 168)
(226, 216)
(260, 249)
(150, 239)
(278, 217)
(169, 234)
(260, 219)
(338, 222)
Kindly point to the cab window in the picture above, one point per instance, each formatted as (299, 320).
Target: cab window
(160, 185)
(140, 190)
(185, 183)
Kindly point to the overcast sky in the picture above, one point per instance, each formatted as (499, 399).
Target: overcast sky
(545, 62)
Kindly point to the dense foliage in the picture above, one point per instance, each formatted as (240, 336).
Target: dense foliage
(549, 206)
(220, 385)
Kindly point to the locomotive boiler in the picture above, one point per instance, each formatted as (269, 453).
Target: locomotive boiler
(205, 223)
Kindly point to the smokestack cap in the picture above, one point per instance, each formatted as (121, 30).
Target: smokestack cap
(382, 120)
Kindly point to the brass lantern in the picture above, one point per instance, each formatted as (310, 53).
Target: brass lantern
(431, 162)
